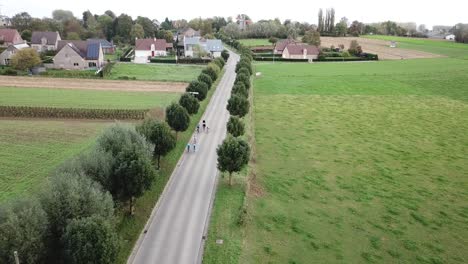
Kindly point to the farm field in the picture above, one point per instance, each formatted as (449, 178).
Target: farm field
(371, 169)
(255, 42)
(74, 98)
(381, 47)
(87, 84)
(156, 72)
(447, 48)
(31, 149)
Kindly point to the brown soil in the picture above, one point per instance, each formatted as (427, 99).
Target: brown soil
(90, 84)
(380, 47)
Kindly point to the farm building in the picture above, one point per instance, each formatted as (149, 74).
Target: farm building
(107, 47)
(148, 48)
(281, 45)
(6, 55)
(78, 55)
(300, 51)
(45, 40)
(9, 37)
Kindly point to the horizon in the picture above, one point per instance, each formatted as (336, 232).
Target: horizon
(432, 15)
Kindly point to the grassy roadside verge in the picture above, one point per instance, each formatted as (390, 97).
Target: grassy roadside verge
(229, 207)
(129, 228)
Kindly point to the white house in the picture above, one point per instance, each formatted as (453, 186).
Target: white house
(6, 55)
(450, 37)
(214, 47)
(148, 48)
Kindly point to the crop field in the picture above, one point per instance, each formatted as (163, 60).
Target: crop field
(31, 149)
(74, 98)
(255, 42)
(156, 72)
(359, 163)
(380, 47)
(442, 47)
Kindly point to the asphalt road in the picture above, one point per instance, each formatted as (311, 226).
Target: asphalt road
(174, 233)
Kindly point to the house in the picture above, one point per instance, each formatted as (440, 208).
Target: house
(300, 51)
(107, 47)
(6, 55)
(9, 37)
(147, 48)
(44, 40)
(78, 55)
(214, 47)
(281, 45)
(189, 33)
(190, 45)
(450, 37)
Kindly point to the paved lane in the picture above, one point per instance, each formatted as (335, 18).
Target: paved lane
(176, 228)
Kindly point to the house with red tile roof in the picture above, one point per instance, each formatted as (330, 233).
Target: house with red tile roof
(281, 45)
(9, 37)
(148, 48)
(300, 51)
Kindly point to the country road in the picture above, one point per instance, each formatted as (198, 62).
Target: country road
(174, 233)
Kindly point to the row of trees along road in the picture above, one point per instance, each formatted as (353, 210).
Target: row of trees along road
(234, 152)
(72, 219)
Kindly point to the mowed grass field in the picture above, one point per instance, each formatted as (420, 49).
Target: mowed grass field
(92, 99)
(255, 42)
(359, 163)
(31, 149)
(442, 47)
(156, 72)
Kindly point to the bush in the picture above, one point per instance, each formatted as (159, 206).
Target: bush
(245, 79)
(210, 72)
(235, 126)
(219, 62)
(10, 72)
(190, 103)
(74, 113)
(198, 87)
(240, 90)
(246, 65)
(243, 71)
(225, 55)
(215, 68)
(25, 59)
(206, 79)
(238, 105)
(23, 228)
(90, 240)
(107, 69)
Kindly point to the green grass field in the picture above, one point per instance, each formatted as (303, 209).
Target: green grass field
(442, 47)
(156, 72)
(255, 42)
(31, 149)
(93, 99)
(355, 163)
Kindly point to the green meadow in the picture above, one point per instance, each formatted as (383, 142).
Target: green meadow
(31, 149)
(156, 72)
(92, 99)
(353, 163)
(255, 42)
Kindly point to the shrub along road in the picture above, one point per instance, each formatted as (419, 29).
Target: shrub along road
(174, 233)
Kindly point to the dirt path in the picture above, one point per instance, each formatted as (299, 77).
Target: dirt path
(380, 47)
(91, 84)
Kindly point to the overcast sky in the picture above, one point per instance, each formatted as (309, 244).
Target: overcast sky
(448, 12)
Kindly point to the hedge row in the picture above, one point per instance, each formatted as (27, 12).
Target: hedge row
(74, 113)
(279, 59)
